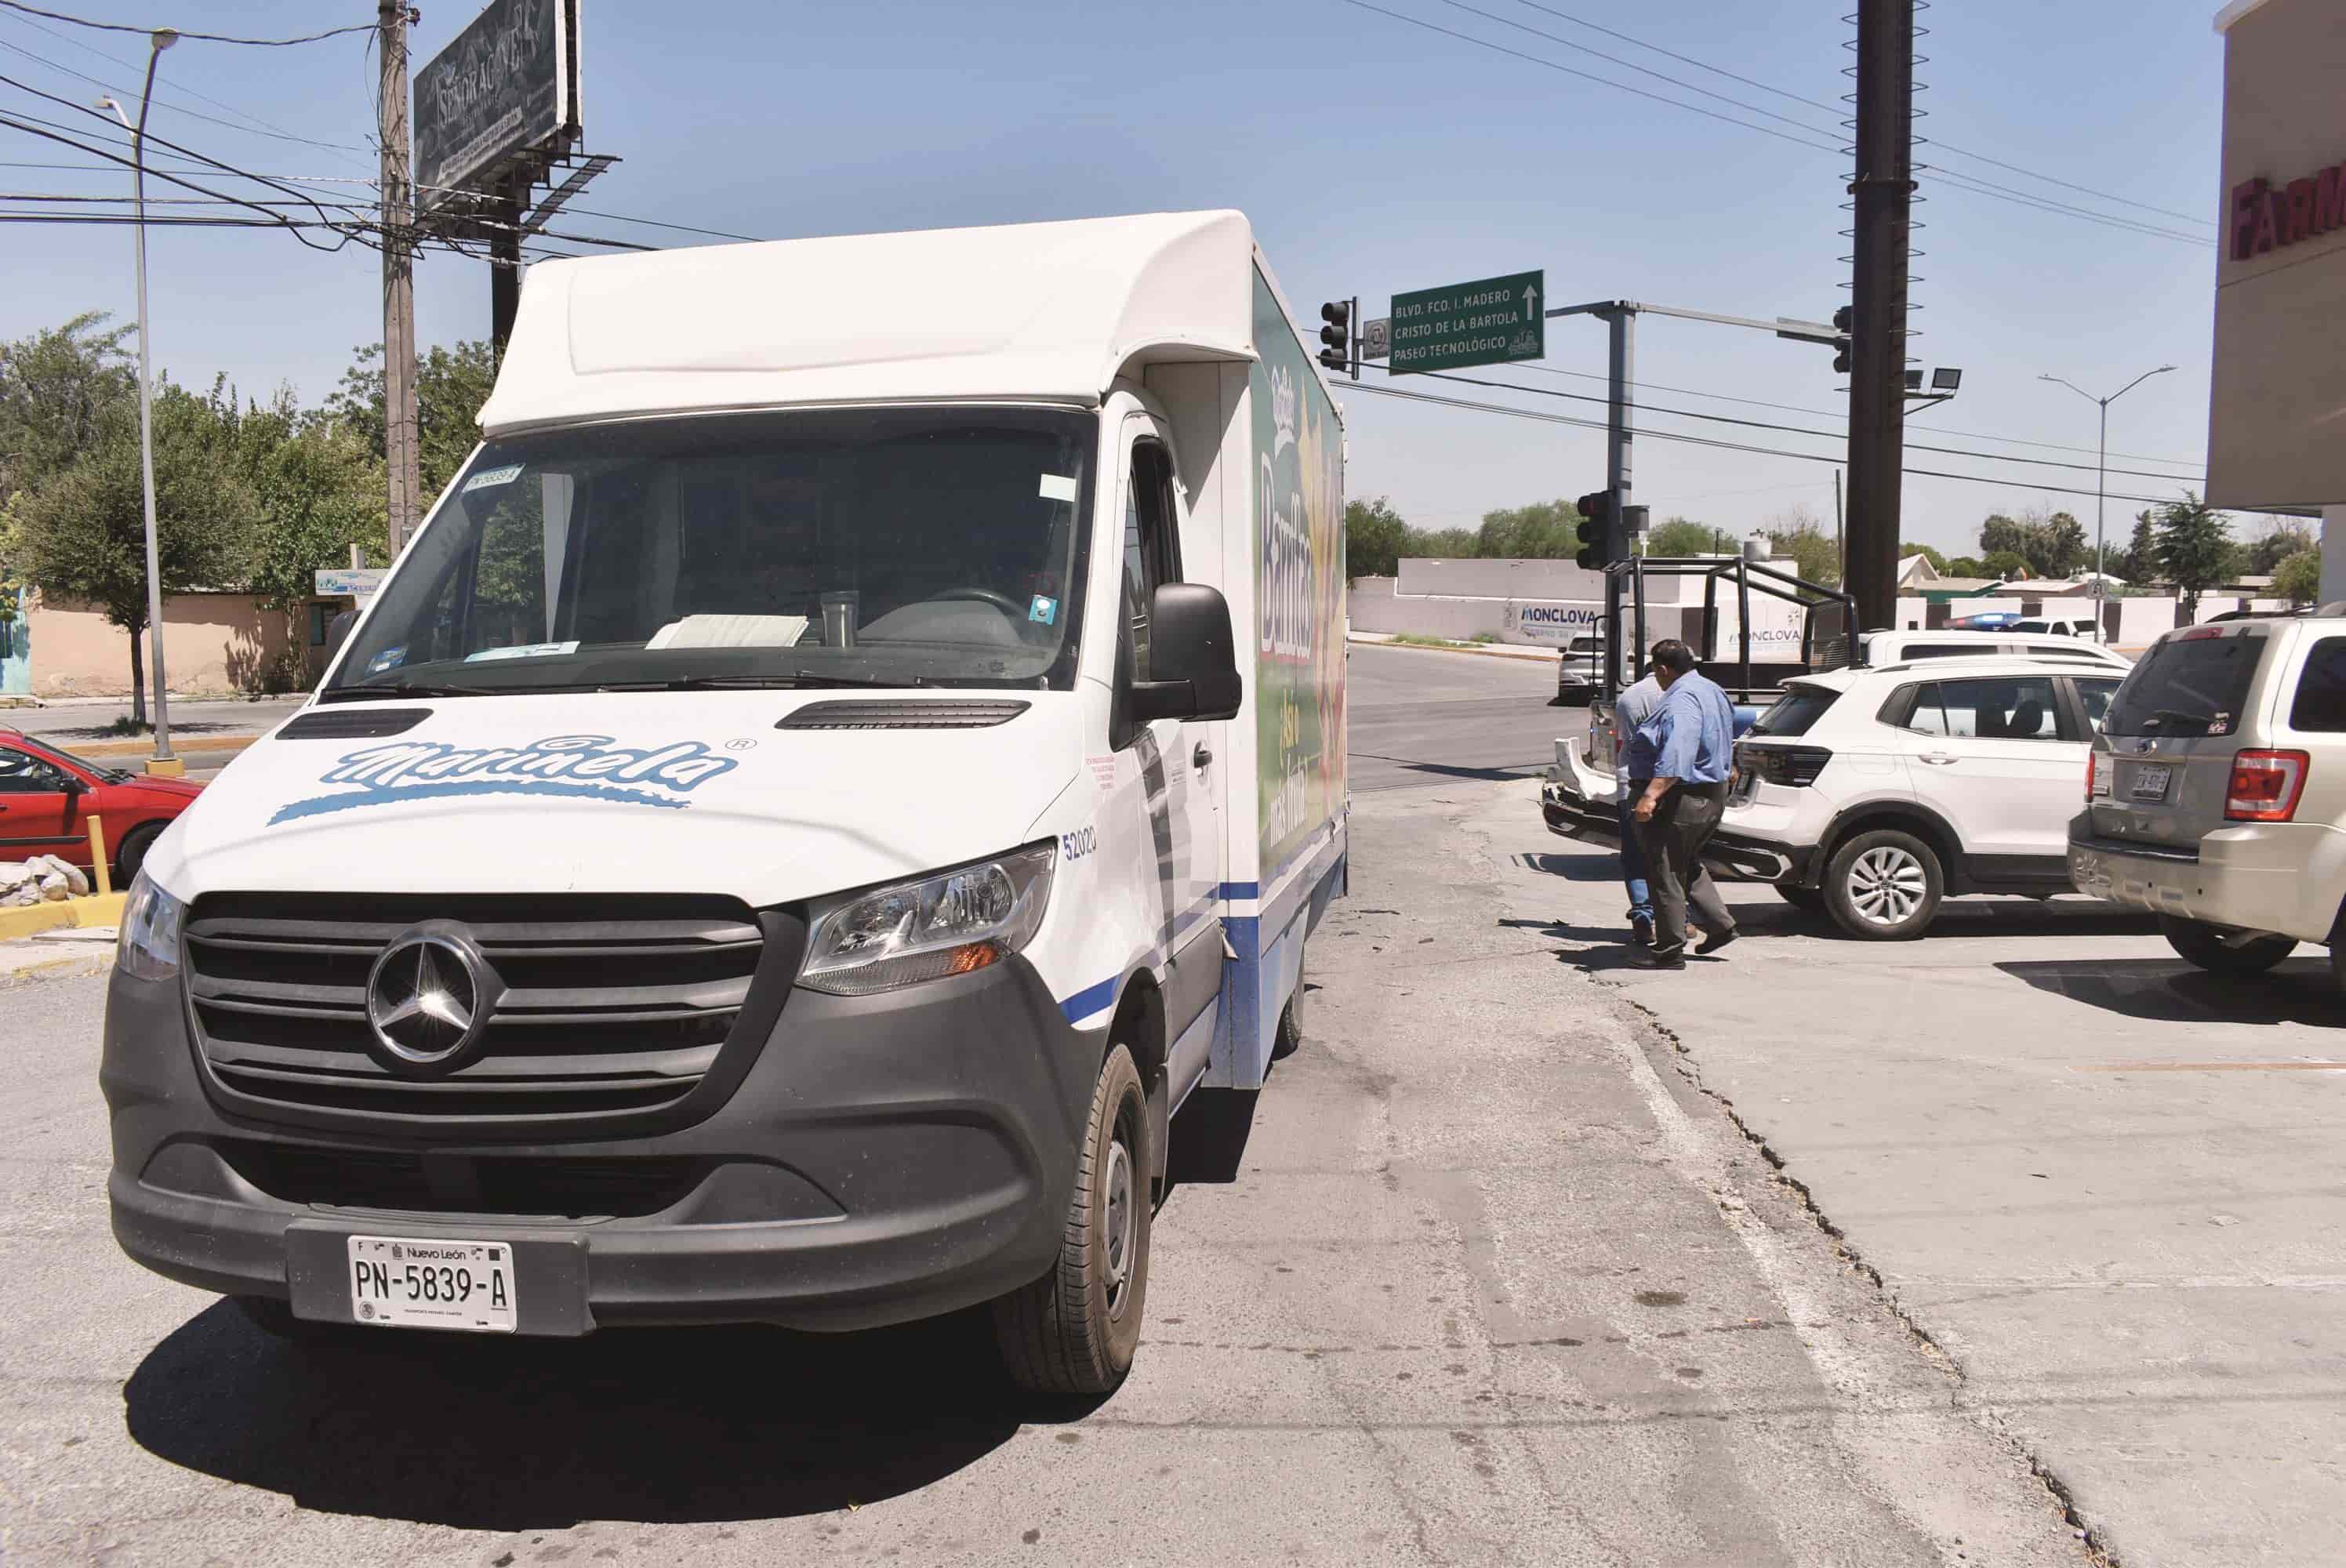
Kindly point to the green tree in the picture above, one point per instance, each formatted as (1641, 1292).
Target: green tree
(2009, 565)
(1373, 535)
(2297, 577)
(57, 388)
(451, 385)
(1441, 543)
(1966, 566)
(1814, 557)
(1682, 536)
(2062, 547)
(1938, 562)
(1544, 531)
(2279, 542)
(317, 490)
(2000, 535)
(2139, 564)
(2196, 550)
(82, 535)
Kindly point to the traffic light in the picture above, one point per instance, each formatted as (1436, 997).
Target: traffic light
(1600, 544)
(1844, 322)
(1337, 334)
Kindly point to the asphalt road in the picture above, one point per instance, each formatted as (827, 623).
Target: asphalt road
(1483, 1278)
(1422, 717)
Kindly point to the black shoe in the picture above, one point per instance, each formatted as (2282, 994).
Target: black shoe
(1712, 945)
(1641, 930)
(1654, 958)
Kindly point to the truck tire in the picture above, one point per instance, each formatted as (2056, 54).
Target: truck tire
(2204, 945)
(1287, 1039)
(1808, 900)
(1074, 1330)
(1884, 886)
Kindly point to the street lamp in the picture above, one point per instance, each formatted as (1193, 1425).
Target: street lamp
(162, 761)
(2101, 482)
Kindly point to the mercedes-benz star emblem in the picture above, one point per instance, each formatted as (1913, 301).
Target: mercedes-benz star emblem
(428, 1000)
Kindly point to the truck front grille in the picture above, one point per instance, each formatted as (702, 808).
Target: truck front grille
(608, 1005)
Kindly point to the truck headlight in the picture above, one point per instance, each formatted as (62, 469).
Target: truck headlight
(955, 923)
(149, 947)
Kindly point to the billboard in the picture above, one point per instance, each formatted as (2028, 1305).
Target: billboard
(505, 89)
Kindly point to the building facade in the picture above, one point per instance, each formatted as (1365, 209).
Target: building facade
(2276, 406)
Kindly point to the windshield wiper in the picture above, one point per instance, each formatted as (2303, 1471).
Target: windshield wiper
(2175, 716)
(805, 677)
(399, 688)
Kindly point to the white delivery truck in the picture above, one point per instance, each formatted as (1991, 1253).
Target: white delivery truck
(792, 827)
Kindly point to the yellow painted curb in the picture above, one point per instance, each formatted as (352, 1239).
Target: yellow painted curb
(34, 919)
(147, 747)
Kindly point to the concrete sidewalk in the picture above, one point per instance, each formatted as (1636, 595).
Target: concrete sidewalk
(2111, 1188)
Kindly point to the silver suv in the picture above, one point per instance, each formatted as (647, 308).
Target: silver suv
(2216, 793)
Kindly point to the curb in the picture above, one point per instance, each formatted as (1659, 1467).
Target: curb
(147, 747)
(34, 919)
(1541, 655)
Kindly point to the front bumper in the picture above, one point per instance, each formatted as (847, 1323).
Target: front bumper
(884, 1158)
(2280, 877)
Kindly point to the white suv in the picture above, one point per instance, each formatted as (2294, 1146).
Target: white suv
(1873, 794)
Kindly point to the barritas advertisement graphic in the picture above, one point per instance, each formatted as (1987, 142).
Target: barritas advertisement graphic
(1298, 589)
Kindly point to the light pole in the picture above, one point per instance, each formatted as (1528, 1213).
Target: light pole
(2101, 483)
(162, 761)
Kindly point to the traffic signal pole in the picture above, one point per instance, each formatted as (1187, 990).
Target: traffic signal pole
(1621, 365)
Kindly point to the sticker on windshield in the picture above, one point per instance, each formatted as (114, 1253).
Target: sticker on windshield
(1058, 487)
(571, 766)
(390, 658)
(489, 477)
(526, 650)
(1044, 609)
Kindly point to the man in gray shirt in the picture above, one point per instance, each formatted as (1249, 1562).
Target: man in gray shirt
(1633, 770)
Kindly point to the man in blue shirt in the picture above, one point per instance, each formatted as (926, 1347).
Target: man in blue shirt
(1693, 741)
(1633, 770)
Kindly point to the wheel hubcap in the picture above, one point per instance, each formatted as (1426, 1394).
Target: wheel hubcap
(1887, 885)
(1119, 1222)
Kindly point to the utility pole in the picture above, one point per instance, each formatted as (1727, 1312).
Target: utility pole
(505, 263)
(1840, 551)
(401, 431)
(1883, 192)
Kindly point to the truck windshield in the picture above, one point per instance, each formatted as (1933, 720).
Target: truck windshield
(2186, 685)
(880, 547)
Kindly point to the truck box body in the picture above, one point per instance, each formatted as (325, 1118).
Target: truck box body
(795, 619)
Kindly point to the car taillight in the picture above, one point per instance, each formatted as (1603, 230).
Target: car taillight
(2099, 767)
(1796, 766)
(2265, 786)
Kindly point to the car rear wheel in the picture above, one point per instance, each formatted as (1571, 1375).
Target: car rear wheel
(1074, 1331)
(2204, 945)
(1808, 900)
(1884, 886)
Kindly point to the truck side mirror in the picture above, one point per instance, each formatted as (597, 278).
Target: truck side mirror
(1192, 655)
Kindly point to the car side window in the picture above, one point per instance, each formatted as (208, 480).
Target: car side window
(21, 773)
(1938, 651)
(2320, 706)
(1929, 714)
(1151, 553)
(2003, 708)
(2093, 697)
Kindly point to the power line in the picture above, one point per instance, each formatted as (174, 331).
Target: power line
(1836, 110)
(202, 37)
(256, 126)
(1783, 429)
(1979, 189)
(1733, 445)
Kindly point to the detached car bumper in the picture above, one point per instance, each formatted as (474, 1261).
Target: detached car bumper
(1575, 798)
(886, 1158)
(2277, 877)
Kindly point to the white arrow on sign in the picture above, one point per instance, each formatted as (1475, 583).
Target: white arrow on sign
(1531, 303)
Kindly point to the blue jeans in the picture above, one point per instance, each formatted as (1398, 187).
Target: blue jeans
(1632, 855)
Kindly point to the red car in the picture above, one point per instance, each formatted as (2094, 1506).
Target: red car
(48, 798)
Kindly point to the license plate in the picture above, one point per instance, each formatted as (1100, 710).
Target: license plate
(402, 1282)
(2148, 780)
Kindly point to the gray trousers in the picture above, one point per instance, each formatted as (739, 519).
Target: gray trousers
(1684, 820)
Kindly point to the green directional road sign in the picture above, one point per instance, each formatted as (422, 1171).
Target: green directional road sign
(1486, 322)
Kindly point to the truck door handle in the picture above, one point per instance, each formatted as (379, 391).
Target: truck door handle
(1201, 758)
(1941, 758)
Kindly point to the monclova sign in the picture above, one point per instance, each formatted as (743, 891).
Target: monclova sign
(2265, 219)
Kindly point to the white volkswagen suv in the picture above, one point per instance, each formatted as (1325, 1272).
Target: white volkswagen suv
(1873, 794)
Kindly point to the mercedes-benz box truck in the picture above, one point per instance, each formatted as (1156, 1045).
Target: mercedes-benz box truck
(858, 744)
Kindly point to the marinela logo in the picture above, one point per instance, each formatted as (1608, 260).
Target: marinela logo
(571, 766)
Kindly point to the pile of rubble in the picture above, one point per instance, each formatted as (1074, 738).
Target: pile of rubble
(44, 878)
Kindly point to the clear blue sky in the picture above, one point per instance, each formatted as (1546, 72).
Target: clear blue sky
(1372, 156)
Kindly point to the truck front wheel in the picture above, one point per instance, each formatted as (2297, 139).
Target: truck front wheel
(1074, 1330)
